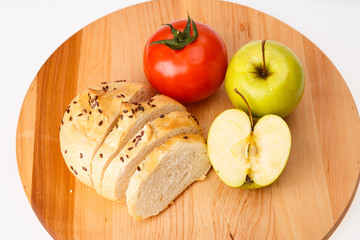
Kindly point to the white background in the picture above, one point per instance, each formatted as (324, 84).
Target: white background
(30, 30)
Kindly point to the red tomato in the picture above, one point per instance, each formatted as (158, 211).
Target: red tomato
(190, 74)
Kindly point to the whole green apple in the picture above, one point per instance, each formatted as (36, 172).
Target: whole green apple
(269, 75)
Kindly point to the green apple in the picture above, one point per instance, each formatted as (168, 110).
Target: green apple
(269, 75)
(245, 155)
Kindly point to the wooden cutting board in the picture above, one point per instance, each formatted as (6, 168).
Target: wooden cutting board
(307, 202)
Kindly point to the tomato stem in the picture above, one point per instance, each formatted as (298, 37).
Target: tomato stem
(181, 39)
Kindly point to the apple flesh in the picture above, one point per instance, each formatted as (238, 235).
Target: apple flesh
(270, 77)
(244, 157)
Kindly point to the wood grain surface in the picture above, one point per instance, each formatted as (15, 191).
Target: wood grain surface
(307, 202)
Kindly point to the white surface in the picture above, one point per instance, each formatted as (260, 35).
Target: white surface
(31, 30)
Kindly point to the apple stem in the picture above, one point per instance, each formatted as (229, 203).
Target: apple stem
(248, 107)
(264, 72)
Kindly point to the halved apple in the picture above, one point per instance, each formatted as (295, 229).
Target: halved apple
(245, 155)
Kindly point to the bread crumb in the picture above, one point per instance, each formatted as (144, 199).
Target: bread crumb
(202, 178)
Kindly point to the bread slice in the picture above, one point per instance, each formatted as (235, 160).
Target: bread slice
(166, 172)
(89, 118)
(153, 134)
(132, 118)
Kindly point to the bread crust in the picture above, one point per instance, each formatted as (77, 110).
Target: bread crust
(133, 116)
(153, 134)
(87, 120)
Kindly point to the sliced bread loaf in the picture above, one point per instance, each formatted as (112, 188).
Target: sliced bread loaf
(89, 118)
(122, 167)
(165, 173)
(132, 118)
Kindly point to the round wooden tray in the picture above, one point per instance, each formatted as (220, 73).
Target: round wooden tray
(307, 202)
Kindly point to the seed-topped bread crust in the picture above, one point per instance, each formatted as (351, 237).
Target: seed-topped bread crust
(153, 134)
(133, 116)
(89, 117)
